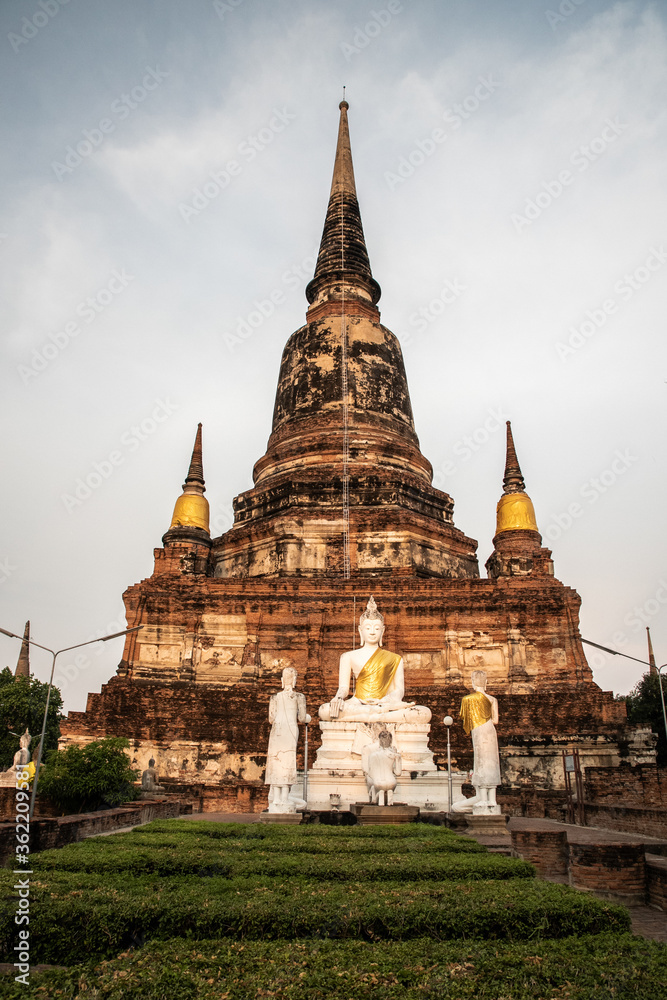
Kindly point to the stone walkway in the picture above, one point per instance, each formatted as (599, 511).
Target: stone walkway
(586, 834)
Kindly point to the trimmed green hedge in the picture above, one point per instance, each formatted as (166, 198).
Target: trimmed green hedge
(310, 838)
(302, 836)
(339, 866)
(74, 915)
(588, 968)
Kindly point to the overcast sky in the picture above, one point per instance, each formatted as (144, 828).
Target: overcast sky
(165, 179)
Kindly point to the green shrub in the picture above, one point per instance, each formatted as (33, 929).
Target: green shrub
(77, 915)
(168, 861)
(83, 778)
(22, 704)
(587, 968)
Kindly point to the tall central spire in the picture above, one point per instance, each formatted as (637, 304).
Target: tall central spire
(343, 271)
(343, 487)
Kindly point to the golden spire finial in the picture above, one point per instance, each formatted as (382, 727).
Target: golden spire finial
(515, 510)
(191, 510)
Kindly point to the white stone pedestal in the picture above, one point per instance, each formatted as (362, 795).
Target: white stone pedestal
(337, 768)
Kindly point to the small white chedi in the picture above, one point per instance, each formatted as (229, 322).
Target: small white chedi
(351, 725)
(287, 709)
(479, 712)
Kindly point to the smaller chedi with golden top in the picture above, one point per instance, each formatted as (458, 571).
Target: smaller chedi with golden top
(191, 509)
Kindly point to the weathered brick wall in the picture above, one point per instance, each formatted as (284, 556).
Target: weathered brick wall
(656, 876)
(643, 785)
(616, 870)
(627, 819)
(193, 688)
(49, 833)
(546, 849)
(535, 803)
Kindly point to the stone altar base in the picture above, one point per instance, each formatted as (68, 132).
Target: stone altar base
(282, 818)
(419, 791)
(489, 825)
(337, 768)
(399, 812)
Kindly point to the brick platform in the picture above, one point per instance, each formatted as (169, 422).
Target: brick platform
(612, 865)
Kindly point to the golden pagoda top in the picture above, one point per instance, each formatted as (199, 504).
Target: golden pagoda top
(191, 510)
(515, 510)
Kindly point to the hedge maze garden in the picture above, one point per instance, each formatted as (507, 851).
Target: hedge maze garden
(191, 909)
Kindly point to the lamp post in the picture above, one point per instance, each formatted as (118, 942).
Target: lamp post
(305, 764)
(54, 654)
(662, 697)
(448, 722)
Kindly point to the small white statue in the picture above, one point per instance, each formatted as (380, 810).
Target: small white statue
(479, 712)
(382, 765)
(380, 680)
(287, 709)
(22, 756)
(20, 763)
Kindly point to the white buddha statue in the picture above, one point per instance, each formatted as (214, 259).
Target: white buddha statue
(479, 712)
(379, 681)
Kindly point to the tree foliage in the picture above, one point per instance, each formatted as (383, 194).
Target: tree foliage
(22, 704)
(645, 705)
(84, 778)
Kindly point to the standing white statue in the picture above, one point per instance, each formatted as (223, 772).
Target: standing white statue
(379, 677)
(287, 709)
(479, 712)
(382, 765)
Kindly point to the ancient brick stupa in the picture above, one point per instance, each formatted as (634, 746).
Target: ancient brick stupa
(343, 506)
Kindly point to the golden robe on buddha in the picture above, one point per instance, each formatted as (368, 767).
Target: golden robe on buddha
(376, 675)
(475, 710)
(477, 715)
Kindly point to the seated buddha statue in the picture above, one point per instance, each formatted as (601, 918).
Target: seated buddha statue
(379, 680)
